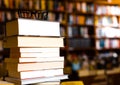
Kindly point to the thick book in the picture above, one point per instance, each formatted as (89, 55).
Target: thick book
(6, 83)
(30, 41)
(35, 66)
(33, 54)
(32, 27)
(35, 80)
(41, 50)
(34, 59)
(36, 73)
(48, 83)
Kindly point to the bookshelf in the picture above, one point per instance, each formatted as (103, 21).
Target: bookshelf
(81, 23)
(80, 38)
(107, 28)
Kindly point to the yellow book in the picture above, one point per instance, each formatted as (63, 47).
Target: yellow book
(81, 20)
(6, 2)
(17, 3)
(50, 5)
(72, 83)
(43, 5)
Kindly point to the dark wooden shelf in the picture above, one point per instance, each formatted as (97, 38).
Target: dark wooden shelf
(107, 38)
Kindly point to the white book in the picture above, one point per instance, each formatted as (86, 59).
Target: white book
(27, 41)
(41, 50)
(34, 66)
(34, 54)
(48, 83)
(36, 80)
(32, 27)
(34, 59)
(36, 73)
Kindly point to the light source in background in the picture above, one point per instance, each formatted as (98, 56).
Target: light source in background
(115, 55)
(109, 1)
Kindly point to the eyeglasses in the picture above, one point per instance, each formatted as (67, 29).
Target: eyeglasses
(37, 14)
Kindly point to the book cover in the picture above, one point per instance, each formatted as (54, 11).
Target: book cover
(32, 27)
(32, 41)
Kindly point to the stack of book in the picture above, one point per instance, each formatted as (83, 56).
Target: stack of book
(34, 52)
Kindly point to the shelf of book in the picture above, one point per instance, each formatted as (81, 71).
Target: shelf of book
(107, 26)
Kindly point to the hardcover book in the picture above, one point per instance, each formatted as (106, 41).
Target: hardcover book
(36, 80)
(34, 59)
(33, 54)
(41, 50)
(49, 83)
(35, 73)
(34, 66)
(27, 41)
(32, 27)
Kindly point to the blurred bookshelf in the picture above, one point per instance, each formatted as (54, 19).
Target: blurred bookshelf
(90, 27)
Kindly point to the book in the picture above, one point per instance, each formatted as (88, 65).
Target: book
(34, 59)
(33, 54)
(48, 83)
(83, 73)
(34, 66)
(83, 7)
(78, 6)
(81, 19)
(6, 3)
(30, 41)
(50, 5)
(36, 80)
(32, 27)
(42, 5)
(41, 50)
(35, 73)
(17, 3)
(1, 45)
(79, 82)
(6, 83)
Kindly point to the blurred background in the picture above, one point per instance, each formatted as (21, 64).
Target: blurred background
(91, 31)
